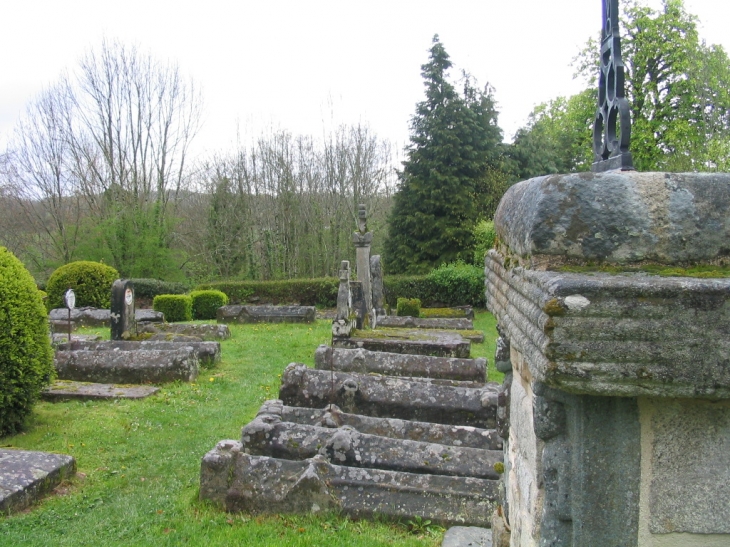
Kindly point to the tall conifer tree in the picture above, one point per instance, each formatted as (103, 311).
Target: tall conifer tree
(454, 142)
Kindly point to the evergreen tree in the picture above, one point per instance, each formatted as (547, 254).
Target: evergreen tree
(453, 152)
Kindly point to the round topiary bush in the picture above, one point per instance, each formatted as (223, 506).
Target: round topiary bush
(26, 358)
(91, 281)
(207, 302)
(175, 307)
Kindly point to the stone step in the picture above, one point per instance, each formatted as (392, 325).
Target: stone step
(240, 482)
(27, 475)
(62, 390)
(208, 353)
(140, 366)
(267, 435)
(331, 416)
(438, 401)
(399, 364)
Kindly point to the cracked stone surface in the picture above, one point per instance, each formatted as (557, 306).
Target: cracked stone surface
(64, 390)
(27, 475)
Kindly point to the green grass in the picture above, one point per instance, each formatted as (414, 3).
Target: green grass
(485, 321)
(139, 461)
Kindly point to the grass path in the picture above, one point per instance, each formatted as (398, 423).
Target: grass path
(139, 461)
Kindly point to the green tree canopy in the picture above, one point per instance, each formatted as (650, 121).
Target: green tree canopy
(451, 161)
(678, 88)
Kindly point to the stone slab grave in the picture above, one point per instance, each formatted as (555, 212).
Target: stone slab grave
(426, 323)
(331, 416)
(399, 364)
(62, 390)
(236, 481)
(422, 399)
(615, 407)
(268, 435)
(94, 317)
(266, 314)
(203, 332)
(420, 342)
(25, 476)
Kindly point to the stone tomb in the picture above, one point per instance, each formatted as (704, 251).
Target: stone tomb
(94, 317)
(27, 475)
(423, 399)
(399, 364)
(266, 314)
(420, 342)
(616, 403)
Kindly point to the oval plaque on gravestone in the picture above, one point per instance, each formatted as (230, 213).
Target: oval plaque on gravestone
(122, 312)
(70, 299)
(129, 297)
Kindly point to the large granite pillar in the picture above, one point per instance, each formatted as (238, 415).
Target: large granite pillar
(362, 240)
(616, 402)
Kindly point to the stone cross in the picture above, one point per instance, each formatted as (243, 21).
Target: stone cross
(362, 240)
(122, 313)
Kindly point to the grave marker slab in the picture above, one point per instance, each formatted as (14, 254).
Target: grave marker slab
(27, 475)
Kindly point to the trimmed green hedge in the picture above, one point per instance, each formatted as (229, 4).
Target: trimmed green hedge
(91, 281)
(410, 307)
(26, 358)
(175, 307)
(206, 303)
(455, 284)
(307, 292)
(149, 288)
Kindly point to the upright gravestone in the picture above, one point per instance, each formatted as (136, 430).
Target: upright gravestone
(376, 275)
(362, 240)
(122, 313)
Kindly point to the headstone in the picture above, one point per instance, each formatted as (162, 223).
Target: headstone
(376, 275)
(362, 240)
(359, 305)
(122, 310)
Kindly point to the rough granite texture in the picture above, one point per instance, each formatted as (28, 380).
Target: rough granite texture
(619, 217)
(27, 475)
(63, 390)
(690, 462)
(266, 314)
(208, 353)
(200, 331)
(437, 343)
(467, 536)
(440, 401)
(426, 323)
(331, 416)
(399, 364)
(140, 366)
(238, 482)
(268, 435)
(625, 335)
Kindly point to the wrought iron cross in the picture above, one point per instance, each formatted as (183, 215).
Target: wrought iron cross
(612, 126)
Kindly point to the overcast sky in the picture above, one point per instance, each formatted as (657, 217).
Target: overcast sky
(301, 65)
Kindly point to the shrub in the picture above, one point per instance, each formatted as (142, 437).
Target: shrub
(26, 358)
(458, 284)
(307, 292)
(207, 302)
(409, 306)
(149, 288)
(175, 307)
(91, 281)
(484, 237)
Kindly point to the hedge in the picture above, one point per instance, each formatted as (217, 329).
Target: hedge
(175, 307)
(91, 281)
(149, 288)
(26, 358)
(307, 292)
(206, 303)
(409, 307)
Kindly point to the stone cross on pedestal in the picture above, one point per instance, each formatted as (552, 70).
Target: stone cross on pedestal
(362, 240)
(122, 313)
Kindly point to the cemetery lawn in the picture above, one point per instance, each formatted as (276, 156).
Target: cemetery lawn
(138, 462)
